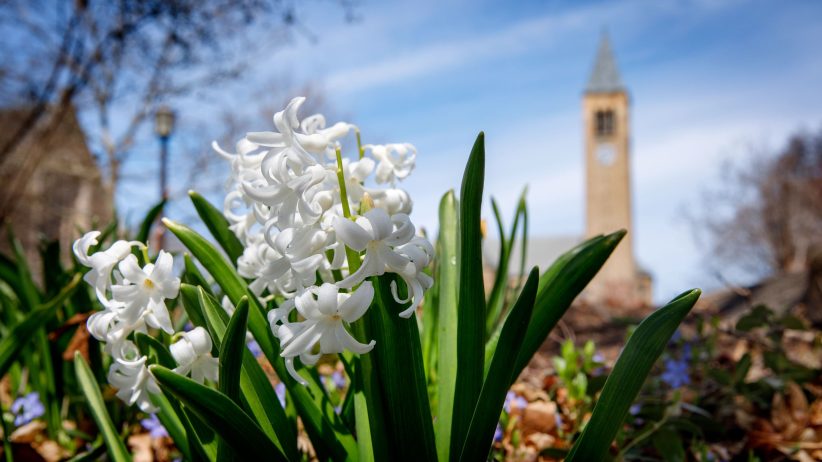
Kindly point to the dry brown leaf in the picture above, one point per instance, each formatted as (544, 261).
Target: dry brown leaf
(539, 417)
(141, 449)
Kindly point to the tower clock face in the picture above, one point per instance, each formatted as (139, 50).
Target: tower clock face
(606, 154)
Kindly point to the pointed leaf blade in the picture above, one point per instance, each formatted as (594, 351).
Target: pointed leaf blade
(218, 226)
(628, 376)
(471, 298)
(114, 444)
(221, 414)
(500, 374)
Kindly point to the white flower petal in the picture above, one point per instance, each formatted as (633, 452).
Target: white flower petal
(357, 304)
(351, 234)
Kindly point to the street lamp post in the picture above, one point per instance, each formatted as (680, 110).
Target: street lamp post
(163, 127)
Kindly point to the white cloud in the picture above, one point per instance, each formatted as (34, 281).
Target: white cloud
(440, 56)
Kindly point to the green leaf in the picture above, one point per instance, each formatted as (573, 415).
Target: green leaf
(401, 372)
(496, 301)
(29, 295)
(790, 321)
(20, 335)
(558, 287)
(628, 375)
(171, 414)
(741, 369)
(231, 360)
(152, 348)
(9, 275)
(148, 221)
(190, 296)
(500, 374)
(92, 455)
(193, 275)
(497, 298)
(669, 445)
(218, 226)
(258, 396)
(168, 415)
(522, 210)
(325, 428)
(447, 323)
(231, 352)
(221, 414)
(759, 316)
(114, 444)
(44, 378)
(471, 297)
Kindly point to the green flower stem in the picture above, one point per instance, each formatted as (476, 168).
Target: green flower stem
(365, 390)
(359, 144)
(353, 256)
(7, 450)
(341, 179)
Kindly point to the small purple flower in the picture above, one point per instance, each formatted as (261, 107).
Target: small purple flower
(255, 349)
(598, 358)
(686, 352)
(337, 409)
(677, 335)
(558, 420)
(676, 373)
(514, 400)
(635, 408)
(498, 433)
(27, 408)
(338, 379)
(189, 326)
(280, 390)
(154, 426)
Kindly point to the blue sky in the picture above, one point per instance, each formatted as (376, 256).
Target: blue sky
(709, 81)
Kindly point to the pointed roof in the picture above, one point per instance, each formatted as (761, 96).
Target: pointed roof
(605, 76)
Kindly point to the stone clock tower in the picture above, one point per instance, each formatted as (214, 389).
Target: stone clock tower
(605, 107)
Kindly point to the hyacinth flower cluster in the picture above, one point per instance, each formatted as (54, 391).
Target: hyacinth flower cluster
(300, 210)
(133, 299)
(315, 230)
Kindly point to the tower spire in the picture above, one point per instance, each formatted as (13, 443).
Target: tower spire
(605, 76)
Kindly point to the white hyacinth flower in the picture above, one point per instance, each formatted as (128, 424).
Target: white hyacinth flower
(324, 323)
(130, 375)
(396, 161)
(144, 290)
(315, 139)
(419, 252)
(391, 200)
(377, 234)
(102, 263)
(193, 355)
(109, 327)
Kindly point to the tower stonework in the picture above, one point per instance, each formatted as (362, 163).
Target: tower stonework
(606, 116)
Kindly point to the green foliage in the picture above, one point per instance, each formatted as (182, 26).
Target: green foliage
(114, 443)
(18, 338)
(217, 410)
(500, 374)
(144, 231)
(470, 298)
(627, 377)
(433, 388)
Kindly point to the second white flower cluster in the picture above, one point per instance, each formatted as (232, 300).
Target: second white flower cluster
(133, 299)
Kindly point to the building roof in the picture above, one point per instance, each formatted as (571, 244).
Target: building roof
(605, 75)
(542, 251)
